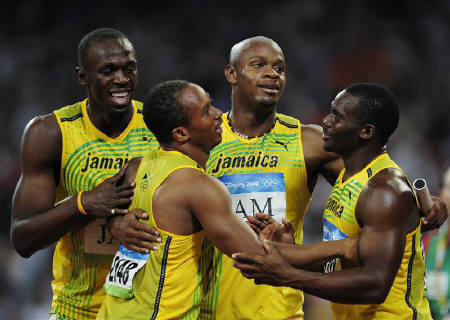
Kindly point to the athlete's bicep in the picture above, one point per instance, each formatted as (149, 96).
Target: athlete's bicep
(211, 205)
(40, 163)
(383, 212)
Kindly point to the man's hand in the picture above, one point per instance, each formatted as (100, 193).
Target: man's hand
(270, 269)
(267, 228)
(434, 218)
(132, 233)
(108, 198)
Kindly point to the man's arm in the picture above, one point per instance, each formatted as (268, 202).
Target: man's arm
(307, 257)
(36, 221)
(211, 205)
(387, 212)
(318, 161)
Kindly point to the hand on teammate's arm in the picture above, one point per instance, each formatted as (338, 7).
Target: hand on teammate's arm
(434, 218)
(132, 233)
(271, 268)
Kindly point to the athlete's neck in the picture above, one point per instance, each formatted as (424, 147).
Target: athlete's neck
(360, 158)
(195, 154)
(249, 124)
(111, 124)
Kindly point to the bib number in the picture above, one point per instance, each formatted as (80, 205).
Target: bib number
(125, 265)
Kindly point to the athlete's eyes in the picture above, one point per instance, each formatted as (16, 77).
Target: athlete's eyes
(258, 64)
(279, 69)
(131, 69)
(106, 71)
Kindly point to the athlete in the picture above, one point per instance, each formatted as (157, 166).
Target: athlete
(184, 204)
(270, 163)
(70, 174)
(372, 199)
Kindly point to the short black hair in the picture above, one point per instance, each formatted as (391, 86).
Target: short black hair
(163, 110)
(378, 106)
(95, 36)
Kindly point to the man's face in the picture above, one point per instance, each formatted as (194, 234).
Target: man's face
(341, 128)
(111, 74)
(205, 120)
(260, 73)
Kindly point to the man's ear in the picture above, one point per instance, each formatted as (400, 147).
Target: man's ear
(230, 74)
(81, 76)
(180, 134)
(368, 132)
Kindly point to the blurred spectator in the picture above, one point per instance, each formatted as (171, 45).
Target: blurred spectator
(438, 263)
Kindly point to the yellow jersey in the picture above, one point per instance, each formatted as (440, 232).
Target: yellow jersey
(263, 174)
(406, 299)
(171, 282)
(83, 256)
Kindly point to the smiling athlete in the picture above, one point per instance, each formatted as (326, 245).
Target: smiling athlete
(70, 170)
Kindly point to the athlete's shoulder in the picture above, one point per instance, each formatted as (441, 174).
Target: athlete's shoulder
(70, 112)
(43, 127)
(390, 178)
(139, 105)
(287, 121)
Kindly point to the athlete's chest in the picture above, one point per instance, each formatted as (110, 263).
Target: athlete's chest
(88, 160)
(258, 173)
(274, 152)
(339, 212)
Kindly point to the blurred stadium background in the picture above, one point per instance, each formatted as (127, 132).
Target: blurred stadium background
(327, 44)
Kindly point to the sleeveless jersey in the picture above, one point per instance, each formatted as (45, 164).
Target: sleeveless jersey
(264, 174)
(83, 256)
(171, 284)
(406, 299)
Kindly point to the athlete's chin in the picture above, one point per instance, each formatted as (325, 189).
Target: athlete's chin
(217, 142)
(121, 108)
(328, 147)
(269, 102)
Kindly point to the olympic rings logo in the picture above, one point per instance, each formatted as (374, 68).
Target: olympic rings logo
(269, 182)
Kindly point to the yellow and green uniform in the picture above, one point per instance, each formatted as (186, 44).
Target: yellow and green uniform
(406, 299)
(171, 284)
(82, 257)
(263, 174)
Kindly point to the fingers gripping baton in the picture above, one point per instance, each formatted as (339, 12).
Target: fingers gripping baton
(420, 186)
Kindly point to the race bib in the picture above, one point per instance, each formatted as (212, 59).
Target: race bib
(330, 233)
(98, 240)
(125, 265)
(257, 192)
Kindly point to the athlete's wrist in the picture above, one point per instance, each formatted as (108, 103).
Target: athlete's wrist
(80, 206)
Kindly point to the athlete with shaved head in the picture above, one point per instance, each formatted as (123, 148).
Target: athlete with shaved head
(270, 163)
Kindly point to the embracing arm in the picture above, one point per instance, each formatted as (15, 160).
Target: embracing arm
(211, 205)
(308, 257)
(36, 221)
(314, 256)
(387, 212)
(318, 161)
